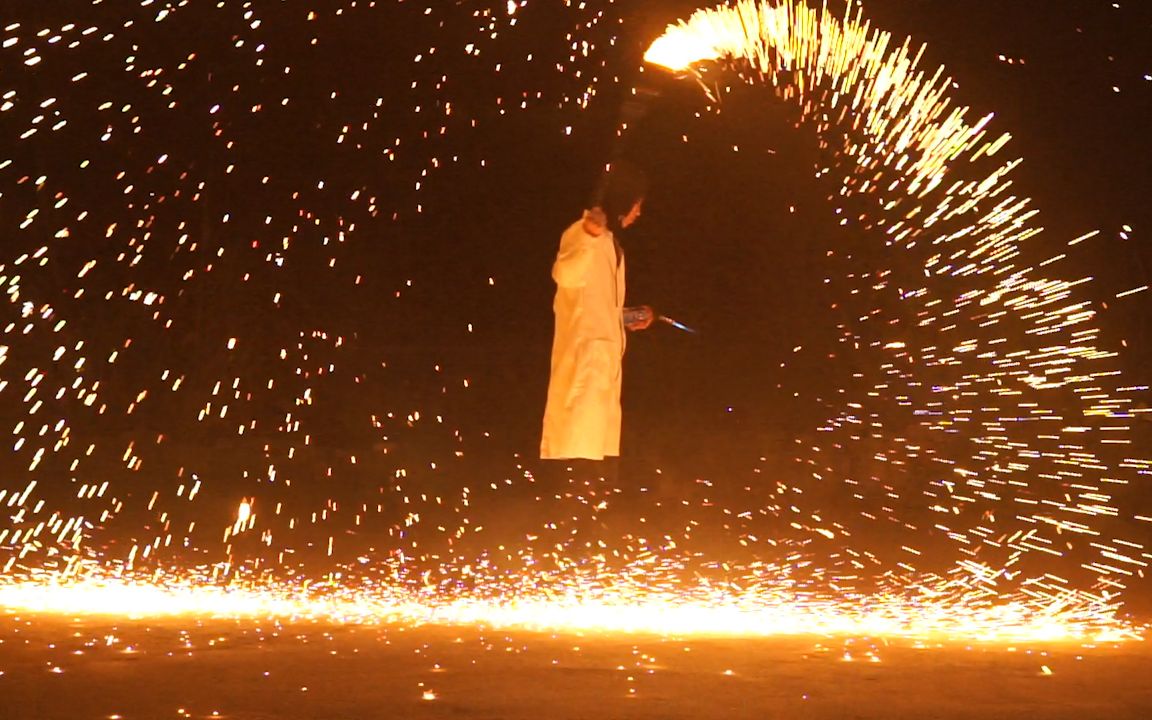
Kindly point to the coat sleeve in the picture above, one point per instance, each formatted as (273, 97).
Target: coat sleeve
(574, 259)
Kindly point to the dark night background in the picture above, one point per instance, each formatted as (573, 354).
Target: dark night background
(392, 296)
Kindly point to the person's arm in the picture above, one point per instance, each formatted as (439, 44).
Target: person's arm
(576, 252)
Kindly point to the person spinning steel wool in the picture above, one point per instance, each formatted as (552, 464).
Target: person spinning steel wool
(582, 415)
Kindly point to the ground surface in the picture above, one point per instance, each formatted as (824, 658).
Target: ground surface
(52, 667)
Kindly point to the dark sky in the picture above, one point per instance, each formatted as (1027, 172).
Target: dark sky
(312, 227)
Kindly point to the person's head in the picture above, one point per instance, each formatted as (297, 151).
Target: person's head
(621, 194)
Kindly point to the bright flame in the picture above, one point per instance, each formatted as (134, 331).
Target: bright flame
(725, 32)
(680, 50)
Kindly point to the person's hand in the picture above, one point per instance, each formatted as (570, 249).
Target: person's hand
(639, 317)
(595, 221)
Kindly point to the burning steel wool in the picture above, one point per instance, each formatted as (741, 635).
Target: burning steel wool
(197, 432)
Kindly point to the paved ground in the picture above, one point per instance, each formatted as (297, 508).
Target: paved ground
(99, 668)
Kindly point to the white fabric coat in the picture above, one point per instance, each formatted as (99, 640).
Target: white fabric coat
(582, 417)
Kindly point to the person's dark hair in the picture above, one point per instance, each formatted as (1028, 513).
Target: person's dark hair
(620, 188)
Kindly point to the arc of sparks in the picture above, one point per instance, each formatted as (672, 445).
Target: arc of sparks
(970, 341)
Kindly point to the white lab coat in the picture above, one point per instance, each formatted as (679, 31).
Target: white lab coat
(582, 417)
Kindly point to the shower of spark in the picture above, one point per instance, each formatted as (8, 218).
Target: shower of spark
(195, 431)
(990, 413)
(180, 192)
